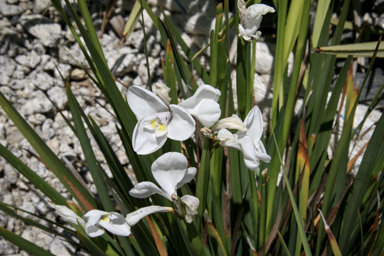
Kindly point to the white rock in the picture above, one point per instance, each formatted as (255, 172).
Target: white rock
(64, 69)
(57, 248)
(21, 185)
(7, 198)
(13, 135)
(38, 104)
(47, 33)
(5, 186)
(10, 174)
(58, 96)
(66, 55)
(7, 66)
(36, 119)
(4, 79)
(78, 74)
(6, 248)
(40, 6)
(10, 10)
(31, 60)
(37, 237)
(18, 75)
(43, 81)
(17, 84)
(54, 145)
(47, 130)
(125, 65)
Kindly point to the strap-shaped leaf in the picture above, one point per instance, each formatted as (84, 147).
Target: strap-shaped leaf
(35, 179)
(356, 50)
(27, 246)
(88, 152)
(50, 159)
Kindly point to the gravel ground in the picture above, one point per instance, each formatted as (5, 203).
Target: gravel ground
(33, 41)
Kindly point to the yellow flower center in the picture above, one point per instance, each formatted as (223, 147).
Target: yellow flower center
(105, 218)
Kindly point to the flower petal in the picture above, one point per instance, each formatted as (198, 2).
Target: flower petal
(261, 153)
(169, 169)
(144, 102)
(228, 139)
(204, 91)
(191, 173)
(93, 230)
(191, 203)
(203, 105)
(249, 153)
(254, 15)
(207, 112)
(116, 225)
(254, 123)
(93, 216)
(182, 125)
(243, 33)
(144, 140)
(146, 189)
(233, 122)
(134, 217)
(68, 215)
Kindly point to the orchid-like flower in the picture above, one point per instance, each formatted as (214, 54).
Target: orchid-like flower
(69, 215)
(203, 105)
(134, 217)
(248, 142)
(171, 172)
(250, 19)
(111, 221)
(157, 121)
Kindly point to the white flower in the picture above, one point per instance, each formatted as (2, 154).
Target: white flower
(248, 142)
(233, 122)
(156, 121)
(203, 105)
(171, 172)
(134, 217)
(191, 205)
(111, 221)
(69, 215)
(251, 18)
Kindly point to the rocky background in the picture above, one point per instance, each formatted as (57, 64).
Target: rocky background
(35, 44)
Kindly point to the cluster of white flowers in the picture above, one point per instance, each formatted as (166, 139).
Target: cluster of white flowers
(159, 120)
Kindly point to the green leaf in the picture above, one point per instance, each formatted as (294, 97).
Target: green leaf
(10, 210)
(192, 239)
(360, 187)
(356, 50)
(65, 176)
(202, 183)
(88, 152)
(92, 247)
(24, 244)
(132, 20)
(35, 179)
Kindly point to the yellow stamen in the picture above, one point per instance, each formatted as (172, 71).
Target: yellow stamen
(162, 127)
(105, 218)
(154, 123)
